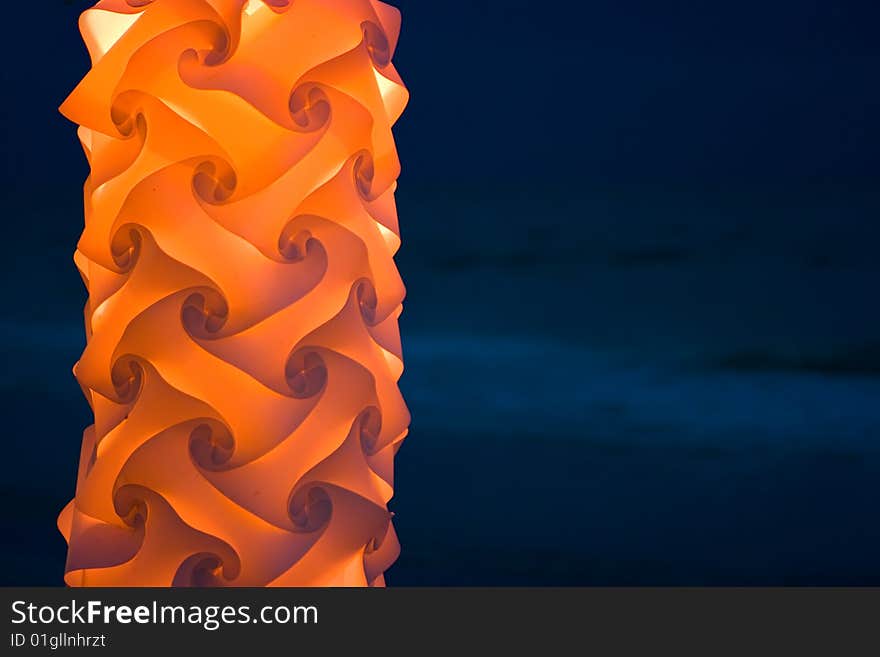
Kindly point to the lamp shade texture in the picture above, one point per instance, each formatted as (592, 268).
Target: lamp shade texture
(243, 350)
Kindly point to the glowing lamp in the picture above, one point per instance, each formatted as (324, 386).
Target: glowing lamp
(243, 350)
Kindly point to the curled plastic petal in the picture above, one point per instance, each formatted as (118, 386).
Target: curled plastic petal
(242, 352)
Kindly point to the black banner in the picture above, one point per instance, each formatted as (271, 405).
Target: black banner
(561, 621)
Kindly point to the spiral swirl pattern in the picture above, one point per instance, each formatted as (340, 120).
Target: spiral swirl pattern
(243, 349)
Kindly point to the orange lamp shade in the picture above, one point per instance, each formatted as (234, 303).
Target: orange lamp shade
(243, 350)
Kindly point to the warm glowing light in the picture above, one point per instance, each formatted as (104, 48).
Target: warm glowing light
(243, 350)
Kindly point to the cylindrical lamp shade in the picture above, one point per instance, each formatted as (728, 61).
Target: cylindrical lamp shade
(243, 350)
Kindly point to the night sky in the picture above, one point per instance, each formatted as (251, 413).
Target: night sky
(642, 332)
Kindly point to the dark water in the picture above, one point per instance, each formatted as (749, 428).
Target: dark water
(675, 386)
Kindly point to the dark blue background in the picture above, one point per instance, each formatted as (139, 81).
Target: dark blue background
(642, 331)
